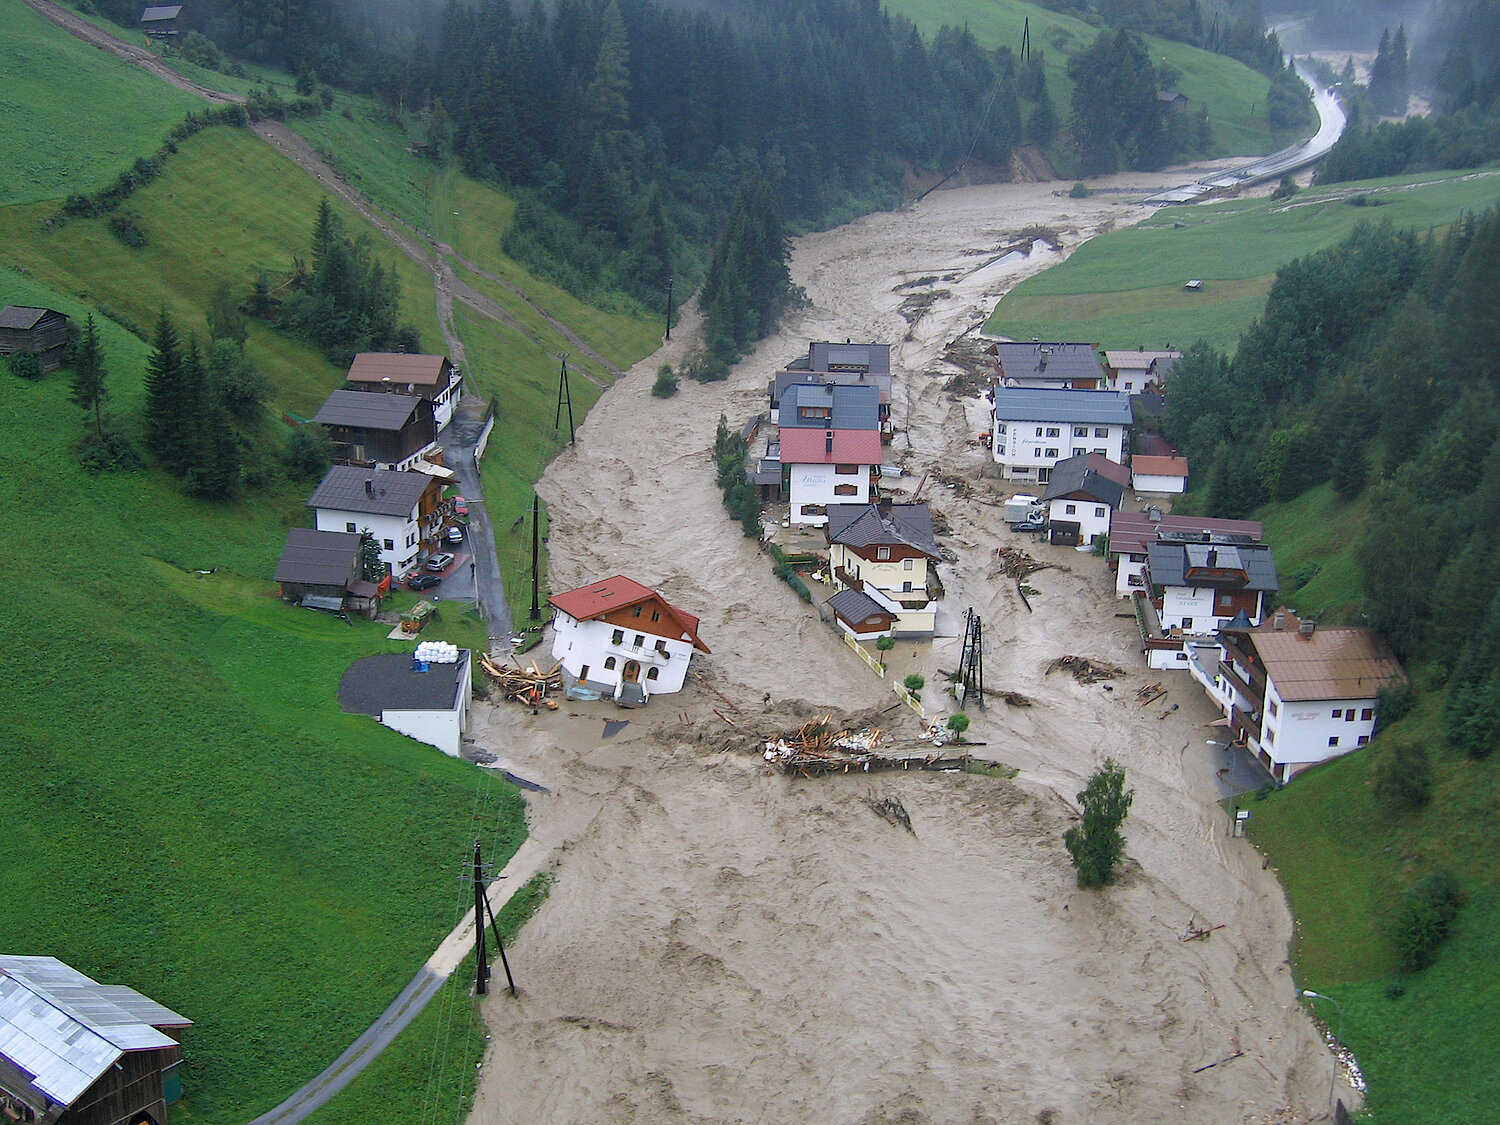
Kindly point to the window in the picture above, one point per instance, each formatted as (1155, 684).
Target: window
(1050, 451)
(908, 564)
(1333, 740)
(1367, 714)
(350, 527)
(1182, 656)
(906, 587)
(1000, 427)
(1275, 708)
(1080, 431)
(609, 663)
(390, 544)
(617, 638)
(661, 646)
(639, 640)
(656, 615)
(1129, 386)
(1338, 713)
(1054, 431)
(1349, 715)
(1070, 509)
(1079, 451)
(1363, 739)
(845, 470)
(813, 510)
(882, 553)
(1039, 431)
(583, 673)
(637, 612)
(845, 490)
(1187, 622)
(1099, 510)
(653, 673)
(1101, 431)
(1101, 452)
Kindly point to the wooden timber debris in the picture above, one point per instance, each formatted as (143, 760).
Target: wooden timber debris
(816, 747)
(1016, 563)
(1195, 931)
(524, 685)
(892, 811)
(1016, 699)
(1086, 670)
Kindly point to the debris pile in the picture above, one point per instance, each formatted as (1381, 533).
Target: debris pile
(817, 748)
(1015, 563)
(892, 811)
(1016, 699)
(1150, 693)
(525, 685)
(1085, 670)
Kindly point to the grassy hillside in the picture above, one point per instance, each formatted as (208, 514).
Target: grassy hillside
(1124, 290)
(113, 113)
(1235, 94)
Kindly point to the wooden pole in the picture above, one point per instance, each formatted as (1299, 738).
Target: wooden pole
(482, 965)
(500, 945)
(536, 544)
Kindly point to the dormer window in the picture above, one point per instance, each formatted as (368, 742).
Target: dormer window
(882, 553)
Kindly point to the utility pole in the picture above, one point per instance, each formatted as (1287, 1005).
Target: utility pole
(536, 544)
(971, 660)
(564, 395)
(1026, 40)
(670, 282)
(481, 962)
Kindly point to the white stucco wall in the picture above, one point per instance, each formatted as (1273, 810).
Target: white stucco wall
(1021, 451)
(1091, 517)
(585, 647)
(1161, 485)
(1299, 733)
(401, 531)
(815, 484)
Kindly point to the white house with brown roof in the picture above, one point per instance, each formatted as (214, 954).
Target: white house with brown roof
(431, 377)
(622, 639)
(403, 511)
(1137, 370)
(1163, 476)
(1132, 533)
(1296, 694)
(887, 553)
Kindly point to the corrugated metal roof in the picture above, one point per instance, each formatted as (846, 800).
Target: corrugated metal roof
(65, 1029)
(797, 377)
(160, 12)
(856, 608)
(369, 410)
(319, 558)
(1169, 563)
(1132, 532)
(1030, 404)
(398, 367)
(1332, 663)
(853, 408)
(822, 356)
(1048, 361)
(377, 492)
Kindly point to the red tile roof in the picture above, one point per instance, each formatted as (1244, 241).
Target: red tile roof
(600, 598)
(810, 447)
(1159, 466)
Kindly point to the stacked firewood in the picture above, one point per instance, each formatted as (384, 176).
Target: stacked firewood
(1086, 670)
(525, 685)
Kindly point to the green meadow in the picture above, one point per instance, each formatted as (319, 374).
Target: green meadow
(1125, 289)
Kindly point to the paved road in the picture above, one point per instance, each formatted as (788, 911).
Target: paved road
(458, 440)
(1330, 127)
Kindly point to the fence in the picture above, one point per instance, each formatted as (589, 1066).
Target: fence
(910, 700)
(875, 666)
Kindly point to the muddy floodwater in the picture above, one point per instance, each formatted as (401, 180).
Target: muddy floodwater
(727, 944)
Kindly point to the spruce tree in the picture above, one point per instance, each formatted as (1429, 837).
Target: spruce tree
(169, 411)
(89, 391)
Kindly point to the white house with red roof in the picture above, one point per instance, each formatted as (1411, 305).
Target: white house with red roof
(828, 467)
(1163, 476)
(623, 639)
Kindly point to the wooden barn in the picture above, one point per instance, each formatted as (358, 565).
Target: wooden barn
(77, 1052)
(39, 332)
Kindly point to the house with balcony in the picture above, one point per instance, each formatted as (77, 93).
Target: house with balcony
(1083, 492)
(1047, 366)
(1293, 693)
(1199, 583)
(1138, 370)
(431, 377)
(388, 431)
(402, 511)
(1132, 533)
(839, 365)
(887, 553)
(623, 640)
(77, 1052)
(1035, 429)
(826, 467)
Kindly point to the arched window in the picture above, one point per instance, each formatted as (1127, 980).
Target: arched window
(652, 673)
(609, 662)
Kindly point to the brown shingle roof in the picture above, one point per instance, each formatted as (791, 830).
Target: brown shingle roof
(398, 367)
(1332, 663)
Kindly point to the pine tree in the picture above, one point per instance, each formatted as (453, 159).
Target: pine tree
(89, 390)
(169, 411)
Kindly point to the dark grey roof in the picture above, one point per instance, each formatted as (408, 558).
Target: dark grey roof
(389, 682)
(160, 12)
(368, 410)
(875, 358)
(854, 408)
(1030, 404)
(376, 492)
(1147, 404)
(21, 316)
(1048, 361)
(854, 607)
(793, 376)
(868, 525)
(1169, 563)
(319, 558)
(1074, 475)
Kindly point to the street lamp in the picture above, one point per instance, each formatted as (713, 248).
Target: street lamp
(1338, 1040)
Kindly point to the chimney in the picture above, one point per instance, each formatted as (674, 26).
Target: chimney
(884, 503)
(1213, 557)
(828, 441)
(1153, 513)
(1278, 622)
(369, 486)
(1307, 627)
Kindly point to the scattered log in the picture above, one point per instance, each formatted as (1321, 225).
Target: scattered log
(1016, 699)
(1217, 1062)
(725, 717)
(1016, 563)
(727, 701)
(524, 685)
(1086, 670)
(1195, 931)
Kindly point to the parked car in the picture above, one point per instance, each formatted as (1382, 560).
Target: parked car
(439, 563)
(453, 536)
(423, 581)
(460, 506)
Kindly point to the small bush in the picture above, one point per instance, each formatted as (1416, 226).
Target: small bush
(666, 382)
(1303, 575)
(124, 228)
(307, 452)
(1403, 776)
(1286, 189)
(1079, 191)
(1424, 919)
(706, 367)
(914, 684)
(24, 365)
(110, 453)
(1393, 702)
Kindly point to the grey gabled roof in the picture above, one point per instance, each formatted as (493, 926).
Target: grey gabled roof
(1048, 361)
(824, 356)
(1075, 475)
(868, 525)
(377, 492)
(1169, 562)
(855, 607)
(854, 408)
(64, 1029)
(21, 316)
(389, 682)
(367, 410)
(319, 558)
(1030, 404)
